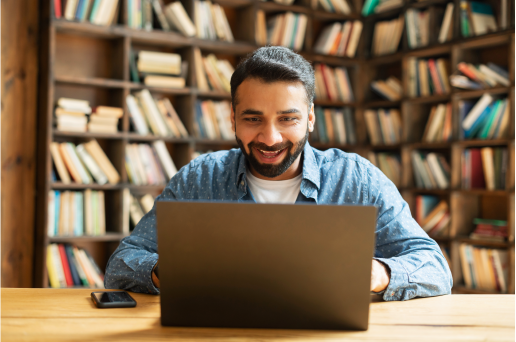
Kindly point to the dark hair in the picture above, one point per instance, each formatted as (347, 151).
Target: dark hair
(274, 64)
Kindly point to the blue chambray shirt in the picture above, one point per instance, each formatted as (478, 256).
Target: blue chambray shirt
(417, 266)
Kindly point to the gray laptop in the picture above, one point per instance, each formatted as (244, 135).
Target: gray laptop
(248, 265)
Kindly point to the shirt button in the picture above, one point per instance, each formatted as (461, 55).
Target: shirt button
(242, 183)
(392, 293)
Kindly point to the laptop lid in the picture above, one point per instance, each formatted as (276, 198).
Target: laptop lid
(249, 265)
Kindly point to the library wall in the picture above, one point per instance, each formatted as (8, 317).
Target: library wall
(20, 20)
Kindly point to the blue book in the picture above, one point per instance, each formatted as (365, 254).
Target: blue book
(57, 202)
(79, 214)
(499, 121)
(199, 120)
(79, 9)
(369, 7)
(350, 126)
(319, 115)
(464, 109)
(498, 69)
(73, 270)
(479, 123)
(95, 9)
(429, 203)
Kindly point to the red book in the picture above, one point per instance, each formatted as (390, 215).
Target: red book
(57, 8)
(66, 266)
(324, 70)
(435, 77)
(477, 171)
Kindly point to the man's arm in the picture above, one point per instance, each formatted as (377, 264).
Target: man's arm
(415, 262)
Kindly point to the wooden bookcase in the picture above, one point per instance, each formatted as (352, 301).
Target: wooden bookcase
(81, 60)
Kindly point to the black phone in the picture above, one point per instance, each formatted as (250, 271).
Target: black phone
(112, 299)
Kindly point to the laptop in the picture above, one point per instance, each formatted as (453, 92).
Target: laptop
(276, 266)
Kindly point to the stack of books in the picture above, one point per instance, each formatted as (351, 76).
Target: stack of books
(418, 31)
(334, 6)
(332, 84)
(149, 165)
(439, 125)
(484, 268)
(476, 18)
(287, 29)
(104, 119)
(83, 164)
(387, 36)
(339, 39)
(158, 114)
(390, 89)
(69, 266)
(160, 69)
(211, 21)
(334, 126)
(212, 73)
(489, 230)
(446, 31)
(390, 165)
(379, 6)
(427, 77)
(480, 76)
(485, 119)
(213, 120)
(76, 213)
(432, 214)
(99, 12)
(383, 126)
(71, 114)
(484, 168)
(431, 170)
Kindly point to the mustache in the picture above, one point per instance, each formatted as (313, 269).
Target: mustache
(275, 147)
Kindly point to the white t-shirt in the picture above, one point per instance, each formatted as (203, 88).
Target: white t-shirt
(265, 191)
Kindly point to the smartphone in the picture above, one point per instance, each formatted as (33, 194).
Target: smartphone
(113, 299)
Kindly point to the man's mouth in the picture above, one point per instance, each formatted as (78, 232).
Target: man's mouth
(269, 156)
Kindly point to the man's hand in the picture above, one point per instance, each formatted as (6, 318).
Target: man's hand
(380, 276)
(155, 279)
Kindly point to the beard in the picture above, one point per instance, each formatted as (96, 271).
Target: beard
(273, 170)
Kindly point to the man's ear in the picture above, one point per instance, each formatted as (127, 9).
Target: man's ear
(311, 119)
(233, 127)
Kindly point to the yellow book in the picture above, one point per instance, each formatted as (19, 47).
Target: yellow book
(52, 273)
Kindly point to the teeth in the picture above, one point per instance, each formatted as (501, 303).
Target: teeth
(270, 152)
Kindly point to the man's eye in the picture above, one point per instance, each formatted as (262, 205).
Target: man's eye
(289, 119)
(251, 119)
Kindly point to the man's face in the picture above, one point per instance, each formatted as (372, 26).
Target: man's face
(271, 123)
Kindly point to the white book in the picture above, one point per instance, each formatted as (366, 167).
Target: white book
(51, 231)
(152, 113)
(354, 39)
(74, 105)
(499, 270)
(130, 166)
(289, 29)
(102, 12)
(446, 25)
(300, 33)
(147, 202)
(135, 211)
(165, 159)
(335, 29)
(136, 115)
(437, 171)
(145, 158)
(436, 123)
(475, 112)
(163, 58)
(126, 203)
(225, 24)
(138, 164)
(344, 39)
(493, 75)
(176, 13)
(71, 7)
(199, 25)
(341, 127)
(102, 212)
(342, 6)
(91, 165)
(85, 177)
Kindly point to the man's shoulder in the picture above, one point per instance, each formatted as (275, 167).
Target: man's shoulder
(215, 160)
(334, 157)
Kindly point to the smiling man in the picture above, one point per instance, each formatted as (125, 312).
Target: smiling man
(272, 114)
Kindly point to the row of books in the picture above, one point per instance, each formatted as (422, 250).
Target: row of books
(99, 12)
(286, 29)
(76, 213)
(390, 89)
(155, 115)
(332, 84)
(389, 164)
(379, 6)
(439, 125)
(418, 25)
(484, 168)
(339, 39)
(149, 165)
(333, 6)
(70, 266)
(84, 163)
(484, 268)
(334, 126)
(477, 18)
(480, 76)
(487, 118)
(74, 115)
(383, 126)
(432, 214)
(211, 21)
(212, 73)
(172, 17)
(489, 230)
(387, 36)
(212, 120)
(158, 69)
(427, 77)
(431, 170)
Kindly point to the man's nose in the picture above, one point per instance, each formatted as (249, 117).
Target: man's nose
(270, 135)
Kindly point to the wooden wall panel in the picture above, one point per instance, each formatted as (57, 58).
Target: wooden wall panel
(18, 138)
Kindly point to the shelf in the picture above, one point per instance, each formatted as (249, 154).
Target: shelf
(470, 94)
(428, 191)
(92, 81)
(485, 243)
(87, 238)
(135, 137)
(427, 3)
(428, 145)
(328, 59)
(77, 186)
(88, 29)
(162, 90)
(275, 7)
(484, 192)
(430, 50)
(429, 99)
(330, 16)
(386, 14)
(330, 103)
(88, 135)
(487, 142)
(234, 3)
(394, 57)
(381, 104)
(146, 188)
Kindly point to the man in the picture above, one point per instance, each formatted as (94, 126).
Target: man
(272, 114)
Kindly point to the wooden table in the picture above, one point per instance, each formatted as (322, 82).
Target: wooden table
(69, 315)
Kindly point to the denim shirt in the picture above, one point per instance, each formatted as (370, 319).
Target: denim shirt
(417, 266)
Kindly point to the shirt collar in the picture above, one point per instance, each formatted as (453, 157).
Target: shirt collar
(311, 170)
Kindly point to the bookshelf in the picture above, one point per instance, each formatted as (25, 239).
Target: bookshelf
(85, 61)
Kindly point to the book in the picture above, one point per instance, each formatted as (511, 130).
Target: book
(177, 16)
(98, 155)
(282, 30)
(446, 32)
(387, 36)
